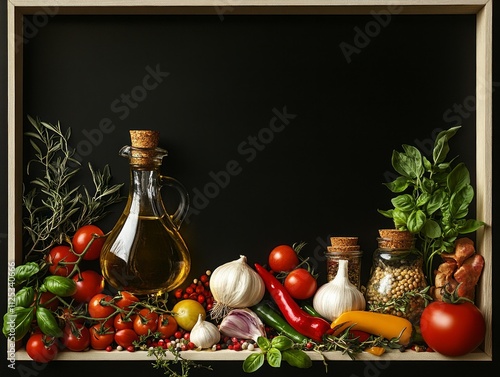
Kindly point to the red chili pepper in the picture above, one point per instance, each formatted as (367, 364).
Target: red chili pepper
(308, 325)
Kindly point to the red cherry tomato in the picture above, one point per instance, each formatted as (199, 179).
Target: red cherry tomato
(126, 337)
(301, 284)
(452, 329)
(41, 348)
(90, 284)
(126, 300)
(167, 326)
(56, 259)
(283, 258)
(145, 321)
(97, 310)
(101, 336)
(76, 338)
(119, 323)
(82, 238)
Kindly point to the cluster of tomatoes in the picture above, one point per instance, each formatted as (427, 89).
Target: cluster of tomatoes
(298, 280)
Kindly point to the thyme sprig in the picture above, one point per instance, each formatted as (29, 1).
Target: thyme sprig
(54, 208)
(402, 303)
(169, 365)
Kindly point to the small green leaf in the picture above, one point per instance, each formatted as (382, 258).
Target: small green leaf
(404, 202)
(263, 343)
(25, 271)
(441, 147)
(387, 213)
(25, 297)
(431, 229)
(17, 322)
(436, 201)
(459, 202)
(281, 343)
(253, 362)
(423, 199)
(273, 357)
(458, 178)
(297, 358)
(399, 184)
(470, 226)
(400, 218)
(416, 221)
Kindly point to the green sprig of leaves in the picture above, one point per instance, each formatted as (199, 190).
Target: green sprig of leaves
(434, 198)
(275, 351)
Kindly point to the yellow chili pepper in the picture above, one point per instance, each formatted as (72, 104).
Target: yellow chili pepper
(386, 325)
(377, 351)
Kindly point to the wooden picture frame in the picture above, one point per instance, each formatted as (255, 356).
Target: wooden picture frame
(17, 9)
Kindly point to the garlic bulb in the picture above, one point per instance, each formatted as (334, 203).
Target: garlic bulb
(235, 285)
(204, 334)
(242, 324)
(339, 295)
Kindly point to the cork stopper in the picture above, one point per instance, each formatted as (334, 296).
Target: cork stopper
(144, 138)
(144, 151)
(396, 239)
(343, 244)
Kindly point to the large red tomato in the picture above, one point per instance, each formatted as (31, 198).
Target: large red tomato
(97, 310)
(90, 284)
(452, 329)
(145, 322)
(41, 348)
(283, 258)
(82, 238)
(301, 284)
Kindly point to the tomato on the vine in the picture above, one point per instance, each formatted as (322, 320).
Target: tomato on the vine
(119, 323)
(97, 310)
(126, 300)
(82, 238)
(57, 257)
(76, 337)
(145, 321)
(283, 258)
(452, 329)
(167, 326)
(301, 284)
(48, 300)
(42, 348)
(90, 284)
(101, 336)
(126, 337)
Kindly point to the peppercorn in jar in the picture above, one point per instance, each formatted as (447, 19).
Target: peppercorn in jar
(397, 282)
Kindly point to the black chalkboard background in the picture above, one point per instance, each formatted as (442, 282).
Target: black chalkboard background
(280, 127)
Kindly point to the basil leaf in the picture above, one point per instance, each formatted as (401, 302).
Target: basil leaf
(297, 358)
(458, 178)
(459, 202)
(398, 185)
(263, 343)
(416, 221)
(253, 362)
(17, 323)
(60, 285)
(25, 271)
(25, 297)
(273, 357)
(403, 202)
(281, 342)
(470, 226)
(435, 202)
(416, 157)
(400, 218)
(431, 229)
(441, 147)
(47, 322)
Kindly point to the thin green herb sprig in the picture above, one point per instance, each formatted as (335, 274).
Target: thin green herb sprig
(54, 208)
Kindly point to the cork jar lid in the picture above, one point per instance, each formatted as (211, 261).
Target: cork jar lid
(144, 151)
(144, 138)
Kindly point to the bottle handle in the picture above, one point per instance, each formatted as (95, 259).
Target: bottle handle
(183, 207)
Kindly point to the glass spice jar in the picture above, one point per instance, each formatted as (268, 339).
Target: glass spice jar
(344, 248)
(396, 276)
